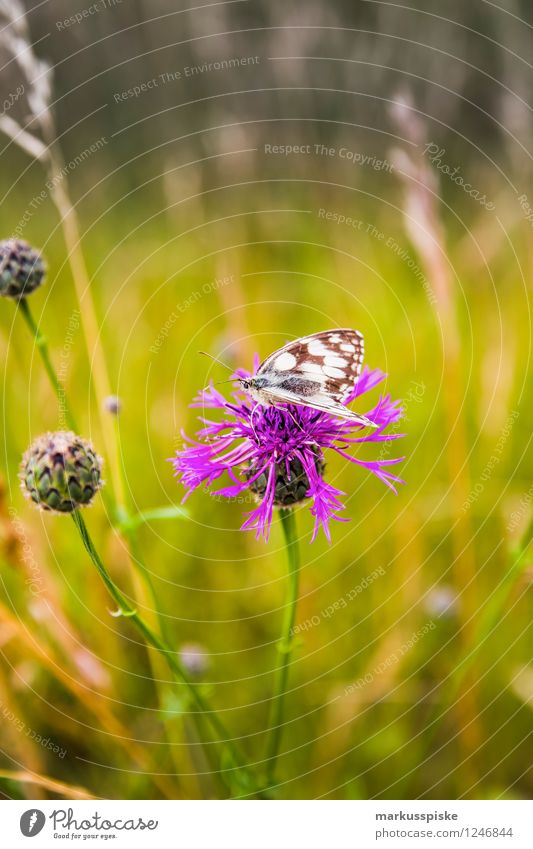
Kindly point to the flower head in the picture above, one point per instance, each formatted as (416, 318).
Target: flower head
(278, 452)
(22, 269)
(61, 472)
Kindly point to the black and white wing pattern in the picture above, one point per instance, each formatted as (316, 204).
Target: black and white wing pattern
(316, 371)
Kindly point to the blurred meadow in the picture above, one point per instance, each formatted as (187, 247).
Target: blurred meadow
(227, 208)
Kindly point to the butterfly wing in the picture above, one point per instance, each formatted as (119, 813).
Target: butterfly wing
(332, 359)
(316, 371)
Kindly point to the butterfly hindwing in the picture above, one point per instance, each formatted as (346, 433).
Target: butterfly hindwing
(276, 394)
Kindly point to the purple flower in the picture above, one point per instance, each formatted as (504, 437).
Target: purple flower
(278, 452)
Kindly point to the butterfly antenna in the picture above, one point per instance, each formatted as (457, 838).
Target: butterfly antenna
(211, 357)
(219, 382)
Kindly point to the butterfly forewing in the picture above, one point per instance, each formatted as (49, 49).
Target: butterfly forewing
(326, 363)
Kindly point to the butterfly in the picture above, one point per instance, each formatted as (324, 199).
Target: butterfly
(316, 371)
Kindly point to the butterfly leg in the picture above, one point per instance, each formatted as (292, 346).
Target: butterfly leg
(298, 425)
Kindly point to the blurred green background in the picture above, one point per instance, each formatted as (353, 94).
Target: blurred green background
(197, 237)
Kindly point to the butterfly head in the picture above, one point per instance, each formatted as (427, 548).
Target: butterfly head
(251, 383)
(254, 386)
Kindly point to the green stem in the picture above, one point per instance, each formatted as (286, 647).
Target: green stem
(42, 345)
(285, 646)
(126, 524)
(129, 527)
(125, 609)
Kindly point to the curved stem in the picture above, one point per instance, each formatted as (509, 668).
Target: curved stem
(42, 345)
(125, 609)
(285, 646)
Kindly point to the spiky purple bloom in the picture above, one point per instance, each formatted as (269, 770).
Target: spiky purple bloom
(278, 452)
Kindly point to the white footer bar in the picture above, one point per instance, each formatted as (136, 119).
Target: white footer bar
(268, 824)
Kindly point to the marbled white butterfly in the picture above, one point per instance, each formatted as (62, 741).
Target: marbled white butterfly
(317, 371)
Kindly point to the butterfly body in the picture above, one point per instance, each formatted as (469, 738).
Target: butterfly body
(317, 371)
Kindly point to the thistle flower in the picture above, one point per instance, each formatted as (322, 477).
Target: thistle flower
(277, 453)
(61, 472)
(22, 269)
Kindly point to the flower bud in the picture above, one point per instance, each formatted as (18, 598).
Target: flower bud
(22, 269)
(61, 472)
